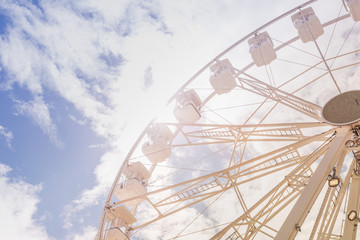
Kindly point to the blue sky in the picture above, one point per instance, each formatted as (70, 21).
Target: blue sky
(79, 80)
(49, 142)
(65, 96)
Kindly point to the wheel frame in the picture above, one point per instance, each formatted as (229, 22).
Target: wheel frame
(314, 112)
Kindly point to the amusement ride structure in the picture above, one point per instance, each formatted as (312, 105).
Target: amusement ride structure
(263, 142)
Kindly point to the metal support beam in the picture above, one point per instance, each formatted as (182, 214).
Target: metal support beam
(269, 92)
(274, 201)
(350, 228)
(299, 212)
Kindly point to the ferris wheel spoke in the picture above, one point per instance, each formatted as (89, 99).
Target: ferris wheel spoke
(321, 54)
(302, 207)
(323, 73)
(275, 201)
(206, 134)
(350, 228)
(269, 92)
(272, 173)
(331, 204)
(202, 188)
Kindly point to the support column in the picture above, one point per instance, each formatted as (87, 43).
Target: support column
(302, 207)
(353, 204)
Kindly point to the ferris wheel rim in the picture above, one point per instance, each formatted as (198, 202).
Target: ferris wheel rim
(142, 135)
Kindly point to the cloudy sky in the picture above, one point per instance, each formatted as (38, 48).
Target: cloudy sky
(79, 80)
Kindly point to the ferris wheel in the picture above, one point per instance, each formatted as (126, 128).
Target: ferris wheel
(263, 142)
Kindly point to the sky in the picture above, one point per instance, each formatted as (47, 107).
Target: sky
(79, 80)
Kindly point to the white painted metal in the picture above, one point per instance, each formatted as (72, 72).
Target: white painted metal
(156, 131)
(262, 49)
(158, 147)
(333, 204)
(157, 151)
(307, 24)
(303, 205)
(354, 6)
(132, 188)
(115, 234)
(199, 189)
(277, 198)
(222, 76)
(120, 216)
(350, 228)
(188, 107)
(254, 85)
(303, 180)
(137, 171)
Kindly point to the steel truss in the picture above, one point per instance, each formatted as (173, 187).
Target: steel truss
(216, 157)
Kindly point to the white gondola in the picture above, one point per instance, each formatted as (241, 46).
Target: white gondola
(354, 7)
(222, 77)
(307, 24)
(120, 216)
(115, 234)
(158, 148)
(188, 106)
(132, 188)
(291, 148)
(157, 151)
(262, 49)
(160, 130)
(137, 170)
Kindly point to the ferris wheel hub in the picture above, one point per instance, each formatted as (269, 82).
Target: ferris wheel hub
(343, 109)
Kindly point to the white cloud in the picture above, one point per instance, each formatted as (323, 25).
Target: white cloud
(95, 56)
(177, 225)
(101, 146)
(7, 135)
(104, 176)
(88, 233)
(78, 121)
(19, 201)
(39, 112)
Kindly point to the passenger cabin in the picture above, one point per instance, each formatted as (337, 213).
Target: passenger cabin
(222, 77)
(130, 189)
(188, 106)
(156, 151)
(307, 24)
(138, 171)
(262, 49)
(354, 7)
(120, 217)
(115, 234)
(160, 130)
(158, 148)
